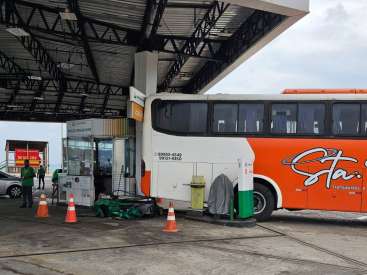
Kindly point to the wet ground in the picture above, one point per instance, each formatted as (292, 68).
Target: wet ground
(305, 242)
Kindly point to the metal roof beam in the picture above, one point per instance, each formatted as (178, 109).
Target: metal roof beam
(74, 5)
(16, 73)
(72, 84)
(51, 24)
(20, 76)
(148, 15)
(39, 53)
(250, 32)
(60, 96)
(37, 95)
(13, 95)
(32, 45)
(105, 100)
(152, 19)
(75, 86)
(191, 47)
(179, 5)
(11, 67)
(82, 103)
(160, 7)
(45, 113)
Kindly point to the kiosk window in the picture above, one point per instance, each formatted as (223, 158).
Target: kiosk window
(346, 119)
(311, 119)
(80, 157)
(284, 118)
(251, 118)
(181, 117)
(225, 118)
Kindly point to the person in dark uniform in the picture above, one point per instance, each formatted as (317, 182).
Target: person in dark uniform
(27, 174)
(41, 177)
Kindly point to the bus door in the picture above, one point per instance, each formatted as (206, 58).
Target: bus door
(335, 179)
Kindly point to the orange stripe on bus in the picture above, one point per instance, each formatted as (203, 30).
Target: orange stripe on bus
(145, 183)
(325, 91)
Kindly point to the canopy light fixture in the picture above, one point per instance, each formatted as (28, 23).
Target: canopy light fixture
(65, 66)
(13, 106)
(18, 32)
(68, 15)
(34, 77)
(38, 98)
(185, 76)
(224, 33)
(84, 94)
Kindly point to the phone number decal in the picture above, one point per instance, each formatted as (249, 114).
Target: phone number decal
(169, 156)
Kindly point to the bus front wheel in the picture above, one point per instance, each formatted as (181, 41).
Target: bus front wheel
(263, 202)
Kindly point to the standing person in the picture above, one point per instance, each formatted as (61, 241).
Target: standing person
(41, 176)
(55, 176)
(27, 174)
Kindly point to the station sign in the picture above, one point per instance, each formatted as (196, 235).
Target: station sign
(135, 108)
(135, 111)
(137, 96)
(32, 155)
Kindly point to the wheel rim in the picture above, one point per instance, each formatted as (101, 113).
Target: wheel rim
(259, 202)
(15, 191)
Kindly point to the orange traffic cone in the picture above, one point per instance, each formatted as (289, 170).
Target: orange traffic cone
(71, 213)
(171, 220)
(42, 210)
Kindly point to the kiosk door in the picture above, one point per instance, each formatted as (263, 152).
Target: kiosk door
(119, 168)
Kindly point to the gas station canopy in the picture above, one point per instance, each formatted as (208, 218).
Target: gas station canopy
(73, 59)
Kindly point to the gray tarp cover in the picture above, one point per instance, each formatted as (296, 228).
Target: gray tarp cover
(220, 195)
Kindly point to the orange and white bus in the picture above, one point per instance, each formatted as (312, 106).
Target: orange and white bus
(310, 148)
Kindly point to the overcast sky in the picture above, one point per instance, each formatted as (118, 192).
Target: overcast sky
(326, 49)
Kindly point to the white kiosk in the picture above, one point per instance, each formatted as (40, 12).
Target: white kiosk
(99, 157)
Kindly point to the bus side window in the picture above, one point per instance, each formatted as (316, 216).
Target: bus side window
(181, 117)
(346, 118)
(364, 119)
(311, 119)
(225, 118)
(251, 118)
(284, 118)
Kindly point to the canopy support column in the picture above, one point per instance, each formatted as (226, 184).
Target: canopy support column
(145, 80)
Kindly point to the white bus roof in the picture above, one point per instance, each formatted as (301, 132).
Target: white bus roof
(254, 97)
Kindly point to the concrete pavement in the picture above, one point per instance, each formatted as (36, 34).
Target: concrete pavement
(305, 242)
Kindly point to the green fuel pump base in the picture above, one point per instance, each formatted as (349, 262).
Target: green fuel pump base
(245, 190)
(245, 204)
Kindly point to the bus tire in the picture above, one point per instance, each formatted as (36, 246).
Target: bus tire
(264, 202)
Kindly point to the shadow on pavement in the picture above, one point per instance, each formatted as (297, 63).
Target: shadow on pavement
(314, 220)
